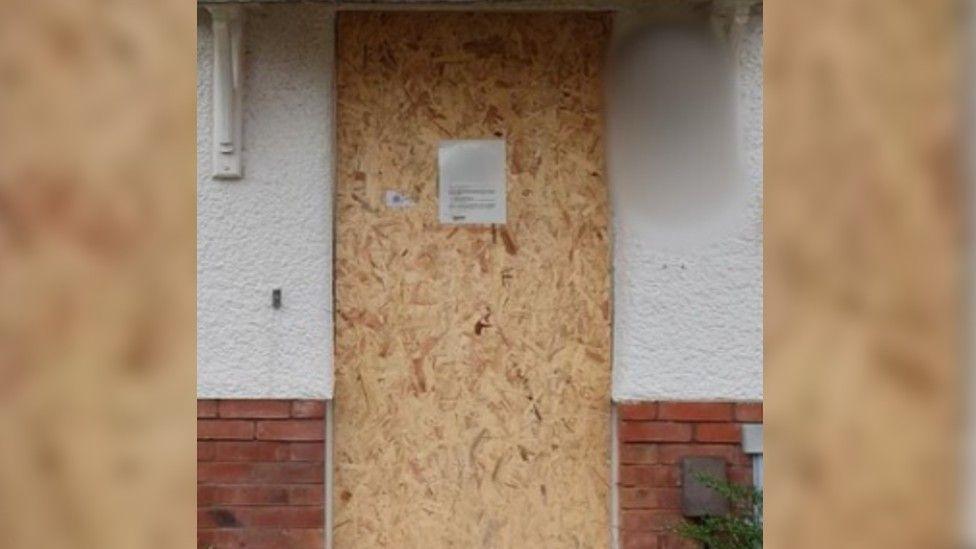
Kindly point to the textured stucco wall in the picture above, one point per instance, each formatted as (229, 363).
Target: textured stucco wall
(688, 317)
(273, 228)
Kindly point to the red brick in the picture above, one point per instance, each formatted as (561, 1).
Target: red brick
(225, 429)
(749, 412)
(312, 494)
(219, 472)
(639, 540)
(650, 498)
(212, 539)
(207, 539)
(718, 432)
(206, 495)
(205, 451)
(308, 409)
(632, 475)
(294, 429)
(650, 475)
(257, 409)
(206, 408)
(654, 431)
(638, 453)
(672, 453)
(740, 475)
(260, 494)
(242, 495)
(264, 538)
(261, 517)
(217, 518)
(695, 411)
(649, 520)
(252, 450)
(259, 450)
(282, 517)
(638, 411)
(306, 451)
(289, 473)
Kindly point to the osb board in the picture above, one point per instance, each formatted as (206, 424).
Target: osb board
(472, 364)
(861, 274)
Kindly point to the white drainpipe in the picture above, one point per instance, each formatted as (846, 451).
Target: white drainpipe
(752, 445)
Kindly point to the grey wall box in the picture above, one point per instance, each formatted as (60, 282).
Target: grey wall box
(698, 500)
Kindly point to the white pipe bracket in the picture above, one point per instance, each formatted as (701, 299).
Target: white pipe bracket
(228, 90)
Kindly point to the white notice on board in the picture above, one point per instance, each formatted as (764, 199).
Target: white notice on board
(471, 181)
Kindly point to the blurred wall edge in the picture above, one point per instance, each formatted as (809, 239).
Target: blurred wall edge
(96, 269)
(862, 267)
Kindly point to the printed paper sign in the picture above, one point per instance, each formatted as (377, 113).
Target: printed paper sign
(471, 181)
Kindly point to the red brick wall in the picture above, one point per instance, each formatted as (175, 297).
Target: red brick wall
(260, 473)
(654, 437)
(260, 468)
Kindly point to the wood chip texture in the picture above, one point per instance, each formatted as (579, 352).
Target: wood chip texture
(472, 363)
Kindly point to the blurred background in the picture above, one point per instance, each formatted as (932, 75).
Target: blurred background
(867, 273)
(865, 256)
(97, 254)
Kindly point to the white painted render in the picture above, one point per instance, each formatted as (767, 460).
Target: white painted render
(273, 227)
(688, 288)
(687, 314)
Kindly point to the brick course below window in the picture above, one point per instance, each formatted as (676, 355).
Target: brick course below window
(260, 473)
(653, 438)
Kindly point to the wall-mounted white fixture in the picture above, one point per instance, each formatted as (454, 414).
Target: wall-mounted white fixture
(228, 90)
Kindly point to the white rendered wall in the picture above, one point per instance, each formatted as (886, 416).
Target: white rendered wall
(273, 228)
(688, 307)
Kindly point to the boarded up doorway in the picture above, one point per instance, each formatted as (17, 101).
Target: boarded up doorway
(472, 393)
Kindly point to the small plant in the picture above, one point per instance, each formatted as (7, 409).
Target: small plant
(742, 528)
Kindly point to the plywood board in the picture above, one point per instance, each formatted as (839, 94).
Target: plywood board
(472, 363)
